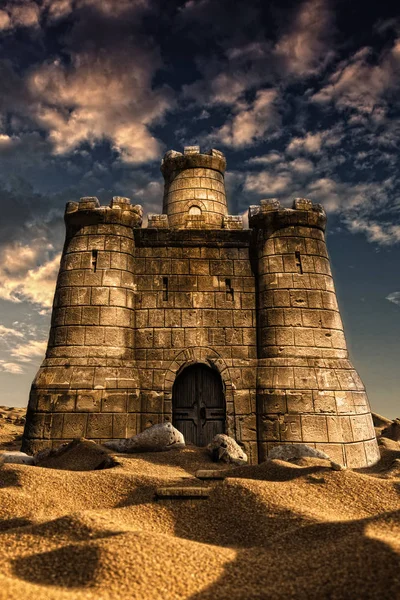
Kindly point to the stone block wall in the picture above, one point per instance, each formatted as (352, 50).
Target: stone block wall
(307, 390)
(88, 382)
(195, 302)
(194, 193)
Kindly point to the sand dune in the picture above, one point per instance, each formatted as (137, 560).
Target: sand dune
(272, 531)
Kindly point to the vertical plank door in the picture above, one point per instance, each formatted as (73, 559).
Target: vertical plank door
(198, 404)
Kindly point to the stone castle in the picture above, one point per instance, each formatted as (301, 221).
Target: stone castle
(196, 320)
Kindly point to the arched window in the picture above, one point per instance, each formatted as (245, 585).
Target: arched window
(195, 210)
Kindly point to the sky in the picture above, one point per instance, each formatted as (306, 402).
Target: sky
(301, 96)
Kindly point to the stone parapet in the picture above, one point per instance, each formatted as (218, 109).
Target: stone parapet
(88, 211)
(192, 158)
(157, 221)
(232, 222)
(270, 216)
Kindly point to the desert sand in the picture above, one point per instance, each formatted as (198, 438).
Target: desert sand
(272, 531)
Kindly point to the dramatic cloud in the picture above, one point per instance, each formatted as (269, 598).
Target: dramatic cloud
(101, 95)
(19, 14)
(385, 234)
(20, 277)
(251, 122)
(305, 49)
(268, 184)
(362, 84)
(103, 91)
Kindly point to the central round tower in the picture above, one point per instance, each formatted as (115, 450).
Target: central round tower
(194, 192)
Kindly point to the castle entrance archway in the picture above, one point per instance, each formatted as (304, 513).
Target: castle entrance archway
(198, 404)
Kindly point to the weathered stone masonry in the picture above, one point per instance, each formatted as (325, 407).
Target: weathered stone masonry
(134, 306)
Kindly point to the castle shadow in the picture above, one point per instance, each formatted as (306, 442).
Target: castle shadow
(70, 567)
(324, 560)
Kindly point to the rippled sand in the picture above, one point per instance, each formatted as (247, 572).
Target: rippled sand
(275, 531)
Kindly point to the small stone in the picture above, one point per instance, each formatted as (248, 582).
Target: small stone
(292, 452)
(226, 449)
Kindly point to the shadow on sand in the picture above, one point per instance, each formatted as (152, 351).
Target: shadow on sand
(324, 560)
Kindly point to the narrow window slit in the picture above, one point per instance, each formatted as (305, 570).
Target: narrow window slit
(165, 288)
(298, 262)
(94, 260)
(229, 290)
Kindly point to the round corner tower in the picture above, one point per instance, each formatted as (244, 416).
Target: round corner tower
(194, 191)
(307, 389)
(87, 385)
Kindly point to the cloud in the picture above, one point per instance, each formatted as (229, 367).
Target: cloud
(22, 279)
(301, 165)
(361, 85)
(29, 351)
(5, 21)
(101, 95)
(20, 14)
(266, 159)
(268, 184)
(7, 332)
(394, 297)
(385, 234)
(98, 87)
(310, 143)
(251, 122)
(24, 13)
(305, 49)
(10, 367)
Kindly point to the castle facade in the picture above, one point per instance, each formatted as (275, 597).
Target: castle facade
(196, 320)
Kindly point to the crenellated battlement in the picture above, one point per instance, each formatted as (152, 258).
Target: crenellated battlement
(89, 211)
(270, 215)
(192, 158)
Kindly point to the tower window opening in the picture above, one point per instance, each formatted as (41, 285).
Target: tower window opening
(195, 210)
(94, 260)
(165, 288)
(298, 262)
(229, 292)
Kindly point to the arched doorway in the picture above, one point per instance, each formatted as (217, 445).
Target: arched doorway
(198, 404)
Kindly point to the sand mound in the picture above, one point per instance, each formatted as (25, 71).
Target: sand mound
(78, 455)
(271, 531)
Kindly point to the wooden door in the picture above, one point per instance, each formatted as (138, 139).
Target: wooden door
(198, 404)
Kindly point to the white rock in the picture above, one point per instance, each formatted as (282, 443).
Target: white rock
(156, 438)
(226, 449)
(18, 458)
(292, 452)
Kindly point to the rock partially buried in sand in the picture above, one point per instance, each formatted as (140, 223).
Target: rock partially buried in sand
(226, 449)
(291, 453)
(78, 455)
(392, 431)
(156, 438)
(17, 458)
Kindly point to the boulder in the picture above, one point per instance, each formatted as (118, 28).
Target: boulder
(78, 455)
(292, 453)
(226, 449)
(156, 438)
(18, 458)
